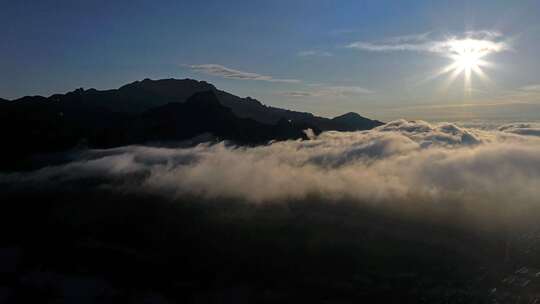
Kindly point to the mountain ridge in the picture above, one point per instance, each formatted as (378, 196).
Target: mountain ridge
(149, 111)
(138, 96)
(202, 113)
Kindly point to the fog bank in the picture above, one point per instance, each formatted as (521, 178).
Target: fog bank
(402, 163)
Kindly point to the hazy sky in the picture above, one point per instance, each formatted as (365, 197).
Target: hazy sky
(378, 58)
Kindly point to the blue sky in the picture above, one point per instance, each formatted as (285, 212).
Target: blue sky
(377, 58)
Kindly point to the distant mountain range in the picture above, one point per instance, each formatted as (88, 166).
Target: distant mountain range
(150, 111)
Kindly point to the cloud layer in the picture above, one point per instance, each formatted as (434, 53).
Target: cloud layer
(225, 72)
(532, 129)
(402, 163)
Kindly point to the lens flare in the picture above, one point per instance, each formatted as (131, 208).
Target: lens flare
(467, 59)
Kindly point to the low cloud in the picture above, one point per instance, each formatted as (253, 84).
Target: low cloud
(532, 129)
(225, 72)
(483, 42)
(402, 163)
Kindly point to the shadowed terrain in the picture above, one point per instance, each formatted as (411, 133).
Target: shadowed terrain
(108, 247)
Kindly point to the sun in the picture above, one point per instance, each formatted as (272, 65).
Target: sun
(467, 59)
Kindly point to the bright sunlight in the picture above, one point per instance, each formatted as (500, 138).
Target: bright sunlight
(467, 59)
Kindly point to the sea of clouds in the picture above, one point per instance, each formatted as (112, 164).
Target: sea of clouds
(402, 163)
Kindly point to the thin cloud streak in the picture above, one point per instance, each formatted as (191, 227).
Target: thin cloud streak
(524, 94)
(314, 53)
(298, 94)
(329, 91)
(462, 105)
(484, 41)
(229, 73)
(531, 88)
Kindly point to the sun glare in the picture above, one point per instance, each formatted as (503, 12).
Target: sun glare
(467, 59)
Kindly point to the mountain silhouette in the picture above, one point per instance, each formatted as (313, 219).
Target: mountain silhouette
(150, 111)
(140, 96)
(202, 113)
(354, 121)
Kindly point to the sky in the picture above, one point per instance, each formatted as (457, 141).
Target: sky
(382, 59)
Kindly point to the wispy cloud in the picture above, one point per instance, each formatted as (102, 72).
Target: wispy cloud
(319, 90)
(347, 90)
(461, 105)
(527, 94)
(229, 73)
(298, 94)
(314, 53)
(345, 31)
(531, 88)
(483, 41)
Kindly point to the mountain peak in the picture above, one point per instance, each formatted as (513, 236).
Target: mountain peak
(170, 84)
(349, 115)
(355, 121)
